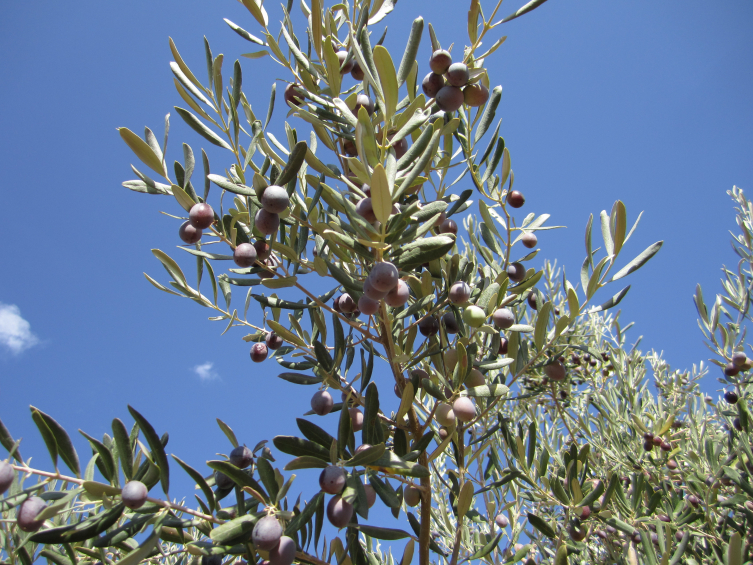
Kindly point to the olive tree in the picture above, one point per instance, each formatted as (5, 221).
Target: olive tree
(527, 427)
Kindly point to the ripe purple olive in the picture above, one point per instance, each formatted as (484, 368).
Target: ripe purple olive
(293, 95)
(6, 476)
(503, 345)
(411, 495)
(502, 521)
(241, 457)
(665, 446)
(267, 274)
(516, 199)
(339, 512)
(363, 101)
(737, 424)
(398, 296)
(284, 553)
(357, 72)
(368, 306)
(731, 397)
(475, 95)
(730, 369)
(429, 326)
(577, 532)
(273, 341)
(657, 440)
(346, 303)
(188, 233)
(694, 500)
(341, 56)
(459, 293)
(475, 378)
(222, 481)
(464, 408)
(516, 272)
(322, 402)
(443, 433)
(457, 74)
(401, 148)
(440, 61)
(267, 533)
(332, 479)
(244, 255)
(259, 352)
(263, 250)
(431, 84)
(365, 209)
(585, 513)
(648, 436)
(449, 98)
(450, 323)
(384, 276)
(201, 215)
(266, 222)
(503, 318)
(370, 495)
(529, 240)
(445, 415)
(739, 358)
(27, 513)
(533, 300)
(371, 292)
(356, 419)
(555, 371)
(448, 226)
(648, 445)
(349, 147)
(672, 465)
(275, 199)
(134, 494)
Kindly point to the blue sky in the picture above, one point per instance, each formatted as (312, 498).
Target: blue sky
(641, 101)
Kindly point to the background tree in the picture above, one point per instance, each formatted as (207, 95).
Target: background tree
(524, 414)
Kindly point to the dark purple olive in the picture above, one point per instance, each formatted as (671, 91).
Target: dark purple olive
(263, 250)
(222, 481)
(368, 306)
(657, 440)
(267, 274)
(339, 512)
(648, 445)
(449, 98)
(244, 255)
(448, 226)
(356, 419)
(188, 233)
(648, 436)
(736, 423)
(503, 344)
(730, 369)
(365, 209)
(450, 323)
(529, 240)
(357, 72)
(585, 513)
(27, 513)
(411, 495)
(516, 272)
(516, 199)
(293, 95)
(273, 341)
(739, 358)
(6, 476)
(259, 352)
(460, 292)
(275, 199)
(201, 215)
(134, 494)
(440, 61)
(501, 521)
(503, 318)
(401, 148)
(398, 296)
(533, 300)
(332, 479)
(384, 276)
(577, 531)
(672, 465)
(475, 95)
(458, 75)
(363, 101)
(341, 56)
(428, 326)
(370, 495)
(371, 292)
(241, 457)
(284, 553)
(431, 84)
(266, 222)
(555, 371)
(322, 402)
(694, 500)
(267, 533)
(349, 147)
(731, 397)
(346, 303)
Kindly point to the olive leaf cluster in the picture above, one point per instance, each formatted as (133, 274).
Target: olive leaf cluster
(526, 427)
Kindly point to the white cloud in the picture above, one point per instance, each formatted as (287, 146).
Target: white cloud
(206, 372)
(15, 332)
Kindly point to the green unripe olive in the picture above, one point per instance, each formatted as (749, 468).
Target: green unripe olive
(474, 316)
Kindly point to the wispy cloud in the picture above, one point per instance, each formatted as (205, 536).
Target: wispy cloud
(206, 372)
(15, 332)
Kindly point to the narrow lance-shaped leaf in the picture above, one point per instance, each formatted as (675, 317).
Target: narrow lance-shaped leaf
(123, 443)
(639, 261)
(62, 440)
(142, 151)
(488, 116)
(198, 126)
(6, 440)
(155, 444)
(411, 50)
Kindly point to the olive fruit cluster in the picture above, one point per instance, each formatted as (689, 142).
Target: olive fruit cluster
(448, 84)
(200, 217)
(259, 351)
(274, 201)
(383, 283)
(332, 480)
(267, 536)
